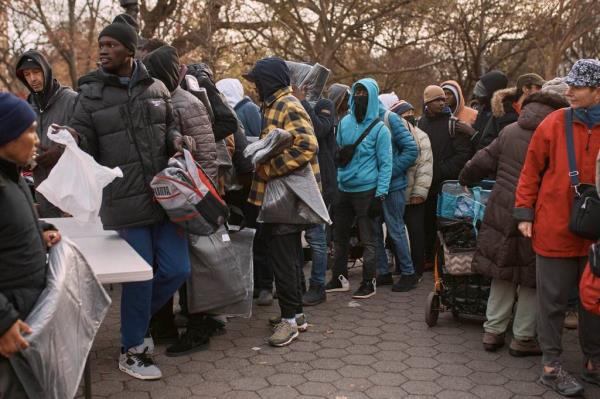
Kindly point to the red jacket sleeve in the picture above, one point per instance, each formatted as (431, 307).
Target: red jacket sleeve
(531, 176)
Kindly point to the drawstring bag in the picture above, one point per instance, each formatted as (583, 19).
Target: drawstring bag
(189, 197)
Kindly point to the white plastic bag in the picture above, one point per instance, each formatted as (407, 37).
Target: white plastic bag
(76, 182)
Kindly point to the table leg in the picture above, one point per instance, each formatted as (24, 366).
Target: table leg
(87, 379)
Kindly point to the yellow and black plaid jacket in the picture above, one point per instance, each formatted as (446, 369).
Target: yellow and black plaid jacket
(282, 110)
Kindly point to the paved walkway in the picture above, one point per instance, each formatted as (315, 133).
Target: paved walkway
(375, 348)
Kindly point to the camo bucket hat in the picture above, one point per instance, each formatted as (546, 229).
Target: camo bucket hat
(585, 73)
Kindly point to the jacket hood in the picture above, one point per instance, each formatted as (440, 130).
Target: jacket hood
(494, 81)
(51, 85)
(201, 71)
(270, 75)
(462, 112)
(337, 91)
(502, 101)
(373, 104)
(99, 76)
(537, 106)
(388, 99)
(232, 89)
(163, 64)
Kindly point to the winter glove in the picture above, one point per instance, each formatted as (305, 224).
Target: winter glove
(464, 128)
(376, 207)
(186, 142)
(50, 156)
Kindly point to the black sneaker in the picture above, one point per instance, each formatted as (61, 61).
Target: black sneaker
(561, 382)
(406, 283)
(385, 279)
(339, 284)
(591, 376)
(366, 290)
(164, 334)
(189, 342)
(315, 295)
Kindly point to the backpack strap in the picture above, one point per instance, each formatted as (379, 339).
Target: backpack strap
(386, 119)
(573, 172)
(366, 132)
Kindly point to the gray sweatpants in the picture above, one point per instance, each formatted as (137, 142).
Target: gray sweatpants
(556, 278)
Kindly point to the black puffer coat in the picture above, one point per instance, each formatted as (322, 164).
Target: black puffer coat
(131, 127)
(22, 249)
(502, 252)
(503, 114)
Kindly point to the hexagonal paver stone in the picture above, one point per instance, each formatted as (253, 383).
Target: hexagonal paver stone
(257, 370)
(456, 395)
(130, 395)
(486, 366)
(293, 367)
(530, 375)
(240, 395)
(421, 387)
(419, 374)
(278, 393)
(249, 384)
(489, 378)
(211, 388)
(352, 371)
(290, 380)
(322, 375)
(316, 388)
(389, 366)
(170, 393)
(184, 380)
(454, 370)
(352, 384)
(105, 388)
(388, 379)
(360, 360)
(386, 393)
(423, 362)
(490, 391)
(455, 383)
(525, 388)
(329, 364)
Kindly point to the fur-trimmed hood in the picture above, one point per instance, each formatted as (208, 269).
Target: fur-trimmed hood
(502, 101)
(537, 106)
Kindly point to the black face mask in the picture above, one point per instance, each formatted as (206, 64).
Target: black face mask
(412, 119)
(360, 107)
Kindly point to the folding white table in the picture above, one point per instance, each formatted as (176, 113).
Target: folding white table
(109, 256)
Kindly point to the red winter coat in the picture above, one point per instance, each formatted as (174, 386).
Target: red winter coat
(545, 186)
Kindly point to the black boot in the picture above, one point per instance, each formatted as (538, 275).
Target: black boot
(406, 283)
(315, 295)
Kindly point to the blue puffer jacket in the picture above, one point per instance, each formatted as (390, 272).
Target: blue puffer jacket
(371, 166)
(404, 148)
(249, 114)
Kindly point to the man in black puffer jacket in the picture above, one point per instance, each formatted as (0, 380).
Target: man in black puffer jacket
(23, 244)
(125, 119)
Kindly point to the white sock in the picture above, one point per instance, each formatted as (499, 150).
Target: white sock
(290, 321)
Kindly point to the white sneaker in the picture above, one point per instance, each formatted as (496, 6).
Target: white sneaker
(138, 363)
(148, 343)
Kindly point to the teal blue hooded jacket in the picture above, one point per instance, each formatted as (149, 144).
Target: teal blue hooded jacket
(371, 166)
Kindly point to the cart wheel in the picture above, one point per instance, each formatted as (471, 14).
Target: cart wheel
(432, 309)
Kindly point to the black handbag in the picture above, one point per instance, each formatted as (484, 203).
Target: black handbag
(345, 153)
(585, 211)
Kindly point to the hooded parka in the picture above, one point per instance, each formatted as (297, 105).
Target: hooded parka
(461, 111)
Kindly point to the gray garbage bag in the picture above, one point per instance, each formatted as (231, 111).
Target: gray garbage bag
(314, 77)
(64, 321)
(221, 279)
(243, 241)
(294, 199)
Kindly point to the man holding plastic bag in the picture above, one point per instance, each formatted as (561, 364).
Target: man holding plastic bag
(23, 242)
(282, 110)
(124, 118)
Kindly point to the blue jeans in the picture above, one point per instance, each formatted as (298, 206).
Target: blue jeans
(393, 214)
(164, 245)
(316, 237)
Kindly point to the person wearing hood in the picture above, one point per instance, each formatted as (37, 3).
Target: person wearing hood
(456, 102)
(363, 182)
(404, 154)
(191, 116)
(281, 110)
(503, 254)
(451, 147)
(388, 99)
(418, 178)
(484, 90)
(322, 117)
(125, 119)
(506, 105)
(543, 207)
(247, 112)
(53, 103)
(24, 241)
(339, 94)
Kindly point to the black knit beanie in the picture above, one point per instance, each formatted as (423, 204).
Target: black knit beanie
(123, 33)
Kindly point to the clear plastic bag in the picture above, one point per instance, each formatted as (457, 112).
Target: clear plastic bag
(313, 77)
(76, 182)
(64, 321)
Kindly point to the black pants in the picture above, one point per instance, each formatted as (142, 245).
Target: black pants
(556, 278)
(349, 207)
(10, 386)
(414, 218)
(430, 226)
(284, 253)
(263, 267)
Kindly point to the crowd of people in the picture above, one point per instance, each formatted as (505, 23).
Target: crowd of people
(377, 165)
